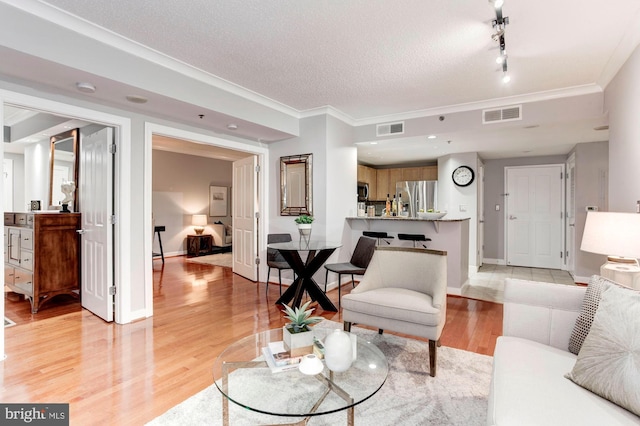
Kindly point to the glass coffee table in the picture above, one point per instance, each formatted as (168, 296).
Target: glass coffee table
(242, 376)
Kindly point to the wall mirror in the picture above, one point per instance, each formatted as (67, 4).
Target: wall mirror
(296, 185)
(63, 167)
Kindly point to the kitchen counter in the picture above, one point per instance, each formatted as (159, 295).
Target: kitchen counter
(447, 234)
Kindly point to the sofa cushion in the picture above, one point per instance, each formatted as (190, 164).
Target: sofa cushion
(597, 285)
(528, 387)
(609, 362)
(394, 303)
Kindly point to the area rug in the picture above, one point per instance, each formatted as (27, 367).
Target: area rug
(8, 322)
(220, 259)
(458, 395)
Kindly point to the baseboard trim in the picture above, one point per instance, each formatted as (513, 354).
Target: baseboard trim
(501, 262)
(455, 291)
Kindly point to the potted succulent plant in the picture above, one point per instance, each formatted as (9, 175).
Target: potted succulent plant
(297, 335)
(304, 226)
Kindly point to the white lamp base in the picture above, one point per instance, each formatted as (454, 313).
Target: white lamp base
(627, 274)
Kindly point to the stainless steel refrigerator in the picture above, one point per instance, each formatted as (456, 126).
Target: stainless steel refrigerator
(417, 195)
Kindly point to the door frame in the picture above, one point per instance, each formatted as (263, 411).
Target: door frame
(563, 206)
(122, 174)
(259, 149)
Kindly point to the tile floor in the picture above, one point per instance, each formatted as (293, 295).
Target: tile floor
(488, 282)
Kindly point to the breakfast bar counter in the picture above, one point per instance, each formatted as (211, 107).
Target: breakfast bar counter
(447, 234)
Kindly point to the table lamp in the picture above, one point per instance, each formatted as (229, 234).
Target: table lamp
(616, 235)
(199, 221)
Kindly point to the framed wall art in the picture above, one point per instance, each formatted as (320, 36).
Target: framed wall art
(218, 200)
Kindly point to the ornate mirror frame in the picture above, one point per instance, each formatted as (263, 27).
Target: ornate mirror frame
(296, 190)
(64, 145)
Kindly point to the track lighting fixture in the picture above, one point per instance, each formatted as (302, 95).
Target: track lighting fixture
(499, 25)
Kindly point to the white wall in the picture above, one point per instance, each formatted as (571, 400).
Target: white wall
(622, 99)
(36, 181)
(454, 199)
(18, 180)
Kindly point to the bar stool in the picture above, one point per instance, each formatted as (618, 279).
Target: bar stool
(379, 235)
(415, 238)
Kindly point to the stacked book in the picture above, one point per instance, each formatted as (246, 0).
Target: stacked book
(279, 359)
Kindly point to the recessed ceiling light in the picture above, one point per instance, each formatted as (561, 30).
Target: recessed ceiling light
(86, 87)
(431, 137)
(137, 99)
(232, 126)
(373, 143)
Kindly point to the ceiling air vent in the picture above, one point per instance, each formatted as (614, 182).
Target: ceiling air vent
(390, 129)
(500, 115)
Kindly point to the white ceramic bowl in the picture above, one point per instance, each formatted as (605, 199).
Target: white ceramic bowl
(431, 216)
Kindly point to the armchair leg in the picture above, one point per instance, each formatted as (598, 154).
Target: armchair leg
(326, 280)
(432, 358)
(380, 331)
(347, 326)
(280, 280)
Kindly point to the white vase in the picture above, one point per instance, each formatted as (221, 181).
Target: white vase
(311, 365)
(338, 351)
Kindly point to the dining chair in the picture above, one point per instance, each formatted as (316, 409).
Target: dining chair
(275, 259)
(357, 265)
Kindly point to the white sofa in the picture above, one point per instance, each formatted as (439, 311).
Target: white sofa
(528, 386)
(222, 235)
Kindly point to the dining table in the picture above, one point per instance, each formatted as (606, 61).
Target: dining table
(318, 251)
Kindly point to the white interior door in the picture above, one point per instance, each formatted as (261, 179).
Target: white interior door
(7, 173)
(245, 207)
(96, 206)
(480, 258)
(534, 216)
(570, 191)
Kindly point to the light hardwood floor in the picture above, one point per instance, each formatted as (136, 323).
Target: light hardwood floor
(129, 374)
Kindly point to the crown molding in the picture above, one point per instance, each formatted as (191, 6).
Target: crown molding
(82, 26)
(586, 89)
(328, 110)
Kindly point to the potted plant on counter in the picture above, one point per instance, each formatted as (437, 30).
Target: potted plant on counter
(297, 335)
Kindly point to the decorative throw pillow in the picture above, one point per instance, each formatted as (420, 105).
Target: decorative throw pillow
(607, 364)
(597, 285)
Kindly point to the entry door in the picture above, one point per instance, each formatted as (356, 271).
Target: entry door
(96, 206)
(534, 216)
(245, 207)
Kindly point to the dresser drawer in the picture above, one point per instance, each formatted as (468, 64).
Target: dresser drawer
(9, 219)
(26, 260)
(26, 239)
(20, 219)
(9, 273)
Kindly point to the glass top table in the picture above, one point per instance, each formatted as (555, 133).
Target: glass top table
(242, 376)
(318, 253)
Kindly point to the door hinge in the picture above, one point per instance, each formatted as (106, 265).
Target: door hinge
(560, 255)
(112, 148)
(257, 260)
(112, 290)
(566, 254)
(113, 219)
(561, 175)
(258, 168)
(257, 215)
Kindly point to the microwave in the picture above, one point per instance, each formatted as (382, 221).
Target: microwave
(363, 191)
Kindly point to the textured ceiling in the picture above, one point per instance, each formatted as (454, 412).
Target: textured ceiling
(261, 65)
(372, 58)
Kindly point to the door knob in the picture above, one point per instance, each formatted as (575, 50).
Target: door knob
(80, 231)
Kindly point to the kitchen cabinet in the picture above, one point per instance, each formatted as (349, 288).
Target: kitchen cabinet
(369, 176)
(42, 255)
(382, 182)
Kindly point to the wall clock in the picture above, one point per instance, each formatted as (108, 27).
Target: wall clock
(463, 176)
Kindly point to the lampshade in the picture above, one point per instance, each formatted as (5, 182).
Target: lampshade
(199, 221)
(612, 234)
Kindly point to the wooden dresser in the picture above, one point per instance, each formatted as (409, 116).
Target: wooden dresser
(42, 255)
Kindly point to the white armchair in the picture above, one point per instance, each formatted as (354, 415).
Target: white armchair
(222, 235)
(403, 290)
